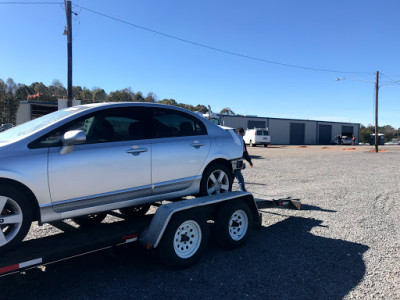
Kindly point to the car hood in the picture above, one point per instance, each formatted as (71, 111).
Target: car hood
(13, 148)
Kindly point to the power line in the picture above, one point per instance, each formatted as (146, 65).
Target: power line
(393, 81)
(214, 48)
(191, 42)
(31, 3)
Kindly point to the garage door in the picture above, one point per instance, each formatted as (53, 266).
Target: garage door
(256, 124)
(347, 130)
(325, 134)
(297, 133)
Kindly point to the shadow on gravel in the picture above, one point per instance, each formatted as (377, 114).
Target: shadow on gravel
(256, 157)
(282, 261)
(255, 183)
(313, 207)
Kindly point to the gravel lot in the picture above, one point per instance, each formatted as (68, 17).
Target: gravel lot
(344, 243)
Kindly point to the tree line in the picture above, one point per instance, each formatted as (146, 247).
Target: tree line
(389, 132)
(12, 93)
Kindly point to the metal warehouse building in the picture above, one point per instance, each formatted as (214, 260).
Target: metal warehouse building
(295, 132)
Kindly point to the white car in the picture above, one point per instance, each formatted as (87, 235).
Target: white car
(346, 140)
(257, 136)
(6, 126)
(83, 161)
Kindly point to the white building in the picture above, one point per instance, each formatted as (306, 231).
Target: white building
(293, 131)
(29, 110)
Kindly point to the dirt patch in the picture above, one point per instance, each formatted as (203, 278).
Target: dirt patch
(378, 150)
(339, 149)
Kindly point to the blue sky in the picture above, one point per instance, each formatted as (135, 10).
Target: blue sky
(359, 36)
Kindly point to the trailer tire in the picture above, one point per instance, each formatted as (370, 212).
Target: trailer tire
(16, 216)
(90, 220)
(216, 179)
(133, 212)
(233, 224)
(184, 240)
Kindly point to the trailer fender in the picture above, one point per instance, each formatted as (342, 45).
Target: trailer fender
(152, 235)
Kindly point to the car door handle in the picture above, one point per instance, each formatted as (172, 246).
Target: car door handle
(197, 145)
(136, 150)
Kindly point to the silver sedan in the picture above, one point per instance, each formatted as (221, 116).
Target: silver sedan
(84, 161)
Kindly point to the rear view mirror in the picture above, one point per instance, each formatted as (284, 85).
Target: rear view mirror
(72, 138)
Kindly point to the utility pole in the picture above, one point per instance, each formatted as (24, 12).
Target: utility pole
(376, 110)
(69, 46)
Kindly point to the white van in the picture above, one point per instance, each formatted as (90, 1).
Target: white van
(257, 136)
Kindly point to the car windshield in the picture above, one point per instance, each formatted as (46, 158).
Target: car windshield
(27, 128)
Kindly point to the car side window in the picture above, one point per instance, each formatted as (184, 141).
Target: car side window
(171, 123)
(53, 139)
(112, 125)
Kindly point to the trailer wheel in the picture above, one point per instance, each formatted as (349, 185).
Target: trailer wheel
(233, 224)
(216, 179)
(135, 211)
(90, 220)
(184, 240)
(15, 217)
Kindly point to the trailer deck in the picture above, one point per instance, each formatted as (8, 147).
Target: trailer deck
(79, 241)
(234, 213)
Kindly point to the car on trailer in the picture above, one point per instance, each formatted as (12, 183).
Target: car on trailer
(84, 161)
(178, 232)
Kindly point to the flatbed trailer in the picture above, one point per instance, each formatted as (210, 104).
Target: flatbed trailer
(177, 231)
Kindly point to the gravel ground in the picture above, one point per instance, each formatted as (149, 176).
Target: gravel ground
(343, 243)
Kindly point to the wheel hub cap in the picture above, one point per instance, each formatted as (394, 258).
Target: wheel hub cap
(187, 239)
(238, 225)
(218, 182)
(10, 219)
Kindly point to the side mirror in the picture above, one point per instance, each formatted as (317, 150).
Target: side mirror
(72, 138)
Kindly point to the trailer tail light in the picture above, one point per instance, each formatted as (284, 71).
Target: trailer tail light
(131, 238)
(21, 265)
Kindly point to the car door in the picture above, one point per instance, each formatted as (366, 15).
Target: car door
(180, 146)
(114, 164)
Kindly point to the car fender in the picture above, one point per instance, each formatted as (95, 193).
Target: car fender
(30, 173)
(217, 152)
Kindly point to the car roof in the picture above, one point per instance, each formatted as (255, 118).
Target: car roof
(130, 104)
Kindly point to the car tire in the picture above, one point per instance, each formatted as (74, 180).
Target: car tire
(216, 179)
(134, 211)
(184, 240)
(233, 224)
(90, 220)
(16, 216)
(265, 145)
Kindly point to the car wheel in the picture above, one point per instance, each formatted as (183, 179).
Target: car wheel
(265, 145)
(184, 240)
(233, 224)
(135, 211)
(90, 220)
(216, 179)
(15, 217)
